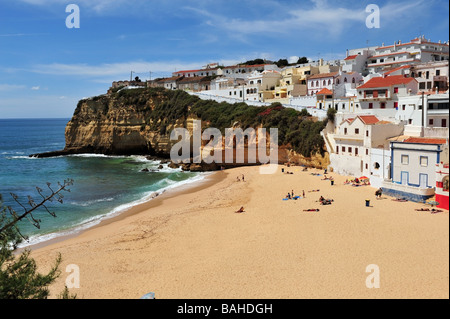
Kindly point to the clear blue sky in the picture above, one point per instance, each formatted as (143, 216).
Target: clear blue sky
(45, 68)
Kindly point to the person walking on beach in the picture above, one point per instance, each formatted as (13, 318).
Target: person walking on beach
(243, 179)
(304, 195)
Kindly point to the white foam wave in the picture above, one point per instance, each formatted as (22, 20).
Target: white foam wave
(92, 202)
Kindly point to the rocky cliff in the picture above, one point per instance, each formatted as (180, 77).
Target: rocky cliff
(139, 122)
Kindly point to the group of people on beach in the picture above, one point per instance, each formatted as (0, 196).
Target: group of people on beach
(291, 195)
(357, 182)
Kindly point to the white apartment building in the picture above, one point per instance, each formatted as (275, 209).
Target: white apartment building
(380, 95)
(432, 76)
(416, 51)
(350, 143)
(356, 60)
(258, 82)
(341, 83)
(243, 71)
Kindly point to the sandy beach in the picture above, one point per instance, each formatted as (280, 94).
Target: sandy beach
(191, 244)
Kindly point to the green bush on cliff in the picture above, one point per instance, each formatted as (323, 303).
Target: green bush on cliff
(162, 109)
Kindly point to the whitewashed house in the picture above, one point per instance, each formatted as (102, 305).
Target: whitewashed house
(380, 95)
(350, 142)
(413, 167)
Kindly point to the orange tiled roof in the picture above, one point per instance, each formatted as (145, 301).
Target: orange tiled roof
(424, 140)
(369, 119)
(381, 82)
(324, 91)
(351, 57)
(397, 69)
(323, 75)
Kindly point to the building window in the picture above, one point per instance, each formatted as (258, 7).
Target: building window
(343, 149)
(356, 151)
(396, 105)
(396, 90)
(367, 133)
(345, 131)
(367, 166)
(431, 122)
(403, 107)
(337, 149)
(370, 105)
(377, 166)
(424, 161)
(410, 121)
(356, 130)
(383, 105)
(350, 150)
(405, 159)
(367, 151)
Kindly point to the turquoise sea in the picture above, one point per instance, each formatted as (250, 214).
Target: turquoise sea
(103, 186)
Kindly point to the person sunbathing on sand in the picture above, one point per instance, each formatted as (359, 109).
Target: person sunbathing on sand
(423, 210)
(241, 210)
(311, 210)
(435, 211)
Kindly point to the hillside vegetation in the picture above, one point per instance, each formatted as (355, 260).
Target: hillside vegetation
(163, 108)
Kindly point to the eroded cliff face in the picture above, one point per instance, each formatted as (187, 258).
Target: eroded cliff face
(111, 125)
(139, 122)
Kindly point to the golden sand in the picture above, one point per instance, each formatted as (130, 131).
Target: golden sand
(192, 244)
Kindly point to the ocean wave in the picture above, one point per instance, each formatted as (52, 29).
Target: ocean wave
(21, 157)
(95, 220)
(91, 202)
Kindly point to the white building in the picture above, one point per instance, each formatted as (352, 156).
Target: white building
(416, 51)
(350, 142)
(341, 83)
(243, 71)
(356, 60)
(380, 95)
(413, 167)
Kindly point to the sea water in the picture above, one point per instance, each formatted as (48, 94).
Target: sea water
(104, 186)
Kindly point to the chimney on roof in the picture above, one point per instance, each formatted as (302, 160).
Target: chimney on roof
(399, 41)
(347, 54)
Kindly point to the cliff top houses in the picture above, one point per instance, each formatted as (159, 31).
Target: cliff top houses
(392, 104)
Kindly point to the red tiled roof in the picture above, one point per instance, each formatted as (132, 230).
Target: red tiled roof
(351, 57)
(381, 82)
(323, 75)
(324, 91)
(424, 140)
(397, 69)
(173, 78)
(392, 53)
(369, 119)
